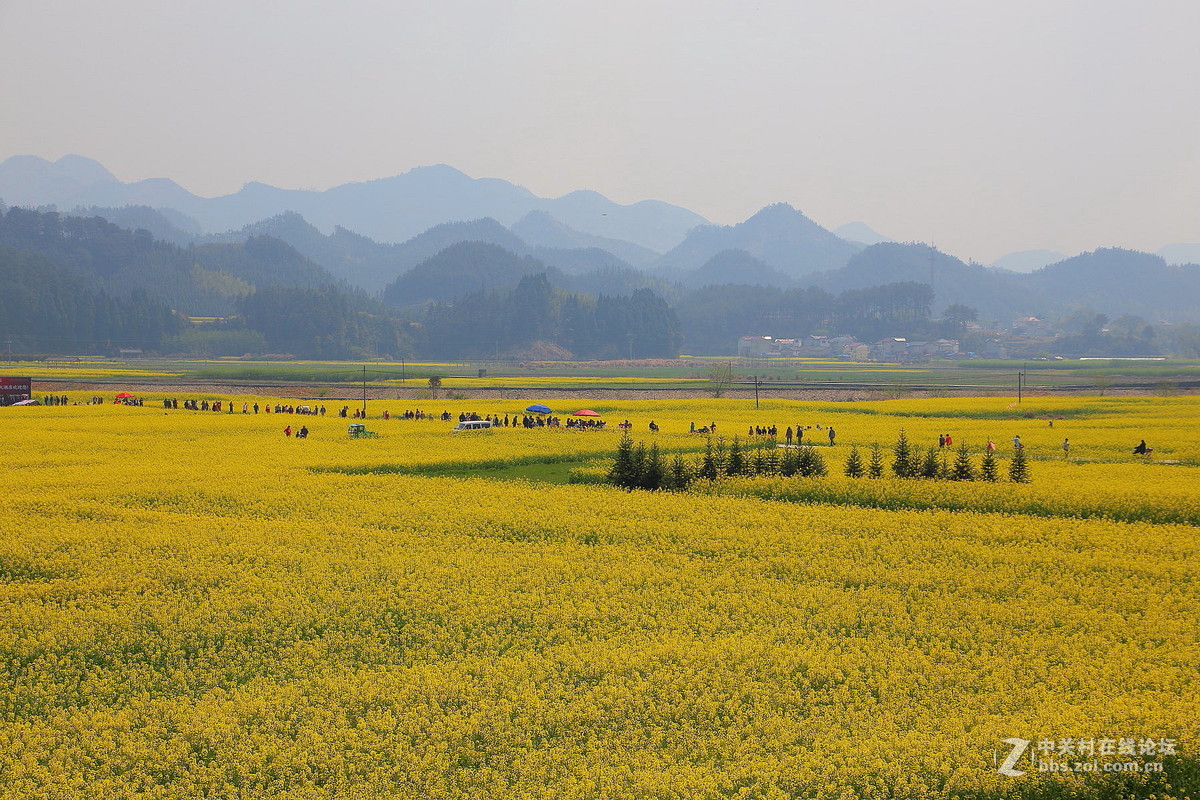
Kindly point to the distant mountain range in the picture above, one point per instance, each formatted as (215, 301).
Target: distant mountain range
(584, 242)
(778, 235)
(389, 210)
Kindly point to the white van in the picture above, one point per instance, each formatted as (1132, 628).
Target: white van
(473, 425)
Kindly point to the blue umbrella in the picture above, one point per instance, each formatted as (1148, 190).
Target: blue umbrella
(538, 408)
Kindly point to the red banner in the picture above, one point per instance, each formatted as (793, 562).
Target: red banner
(14, 389)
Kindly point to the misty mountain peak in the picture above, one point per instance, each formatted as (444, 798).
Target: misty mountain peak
(585, 195)
(83, 170)
(437, 173)
(776, 211)
(32, 180)
(860, 232)
(778, 235)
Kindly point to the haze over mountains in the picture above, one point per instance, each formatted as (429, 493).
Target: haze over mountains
(371, 235)
(388, 210)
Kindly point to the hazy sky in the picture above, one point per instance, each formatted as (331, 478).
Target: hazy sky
(981, 127)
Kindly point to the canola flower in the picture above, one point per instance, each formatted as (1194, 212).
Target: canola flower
(194, 606)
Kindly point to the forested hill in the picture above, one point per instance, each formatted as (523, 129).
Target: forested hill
(460, 269)
(82, 285)
(778, 235)
(534, 319)
(1116, 282)
(204, 280)
(371, 265)
(996, 294)
(44, 308)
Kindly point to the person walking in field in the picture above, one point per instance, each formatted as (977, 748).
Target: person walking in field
(831, 435)
(941, 441)
(1017, 442)
(991, 446)
(787, 435)
(1066, 448)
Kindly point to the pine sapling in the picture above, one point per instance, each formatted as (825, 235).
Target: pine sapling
(854, 466)
(988, 469)
(962, 470)
(1018, 468)
(875, 465)
(902, 457)
(929, 465)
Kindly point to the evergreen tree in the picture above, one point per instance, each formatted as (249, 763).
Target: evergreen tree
(810, 463)
(708, 466)
(790, 462)
(915, 461)
(854, 466)
(875, 466)
(962, 469)
(1018, 468)
(680, 475)
(771, 460)
(902, 454)
(758, 464)
(929, 465)
(638, 473)
(621, 472)
(721, 456)
(655, 471)
(736, 464)
(988, 469)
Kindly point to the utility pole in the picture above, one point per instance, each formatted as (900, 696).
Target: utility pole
(756, 391)
(1020, 379)
(364, 413)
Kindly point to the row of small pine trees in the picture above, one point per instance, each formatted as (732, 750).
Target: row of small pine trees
(639, 467)
(909, 462)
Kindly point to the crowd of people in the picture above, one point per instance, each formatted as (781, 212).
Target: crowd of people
(790, 435)
(528, 421)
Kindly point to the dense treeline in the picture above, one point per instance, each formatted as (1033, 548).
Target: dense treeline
(639, 467)
(499, 322)
(45, 309)
(81, 284)
(323, 323)
(206, 280)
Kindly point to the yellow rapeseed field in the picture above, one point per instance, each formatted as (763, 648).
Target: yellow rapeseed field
(197, 606)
